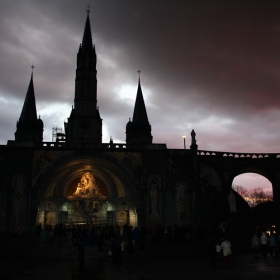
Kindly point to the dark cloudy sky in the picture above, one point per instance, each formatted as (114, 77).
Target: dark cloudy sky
(211, 66)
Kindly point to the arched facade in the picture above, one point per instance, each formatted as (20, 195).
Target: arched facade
(78, 189)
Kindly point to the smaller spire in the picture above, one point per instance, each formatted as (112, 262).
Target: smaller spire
(140, 113)
(29, 111)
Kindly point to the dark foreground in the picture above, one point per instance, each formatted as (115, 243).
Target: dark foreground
(25, 258)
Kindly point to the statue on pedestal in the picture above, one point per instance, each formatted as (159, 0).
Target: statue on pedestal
(193, 134)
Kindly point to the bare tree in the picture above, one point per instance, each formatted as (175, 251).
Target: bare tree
(258, 195)
(255, 196)
(240, 190)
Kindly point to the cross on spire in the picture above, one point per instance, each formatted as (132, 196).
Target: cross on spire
(139, 74)
(32, 69)
(88, 10)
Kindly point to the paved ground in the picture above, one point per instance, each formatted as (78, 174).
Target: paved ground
(25, 259)
(170, 263)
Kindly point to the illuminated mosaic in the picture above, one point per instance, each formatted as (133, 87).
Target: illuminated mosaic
(86, 187)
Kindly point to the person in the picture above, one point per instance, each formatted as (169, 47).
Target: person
(211, 248)
(38, 229)
(264, 243)
(51, 237)
(222, 230)
(232, 202)
(43, 237)
(81, 250)
(226, 247)
(117, 252)
(218, 253)
(136, 234)
(272, 246)
(255, 244)
(141, 247)
(100, 240)
(130, 250)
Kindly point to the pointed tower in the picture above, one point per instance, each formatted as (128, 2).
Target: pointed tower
(29, 127)
(138, 131)
(84, 124)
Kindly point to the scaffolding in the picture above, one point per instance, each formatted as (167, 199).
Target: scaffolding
(58, 135)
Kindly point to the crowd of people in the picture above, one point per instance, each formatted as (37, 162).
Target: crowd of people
(265, 244)
(100, 234)
(118, 239)
(131, 239)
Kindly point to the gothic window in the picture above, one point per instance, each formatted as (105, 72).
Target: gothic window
(19, 184)
(154, 196)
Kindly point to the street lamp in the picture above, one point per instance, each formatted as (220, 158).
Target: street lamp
(184, 137)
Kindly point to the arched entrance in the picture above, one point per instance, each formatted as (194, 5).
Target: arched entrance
(252, 180)
(87, 190)
(256, 190)
(249, 184)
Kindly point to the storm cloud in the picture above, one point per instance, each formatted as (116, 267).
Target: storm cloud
(211, 66)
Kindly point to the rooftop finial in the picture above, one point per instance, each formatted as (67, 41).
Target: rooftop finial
(139, 74)
(88, 10)
(32, 70)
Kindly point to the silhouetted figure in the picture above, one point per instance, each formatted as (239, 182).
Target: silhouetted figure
(117, 252)
(212, 249)
(255, 244)
(43, 236)
(232, 202)
(272, 246)
(136, 234)
(130, 250)
(100, 241)
(81, 249)
(264, 243)
(38, 229)
(51, 237)
(141, 247)
(218, 253)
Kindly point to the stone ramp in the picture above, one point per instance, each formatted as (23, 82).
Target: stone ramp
(25, 258)
(36, 270)
(91, 253)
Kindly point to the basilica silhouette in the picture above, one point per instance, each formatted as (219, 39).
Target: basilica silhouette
(77, 179)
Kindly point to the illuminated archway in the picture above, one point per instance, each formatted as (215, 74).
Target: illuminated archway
(252, 181)
(260, 189)
(85, 188)
(253, 187)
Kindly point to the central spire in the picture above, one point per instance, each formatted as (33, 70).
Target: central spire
(85, 118)
(87, 38)
(86, 58)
